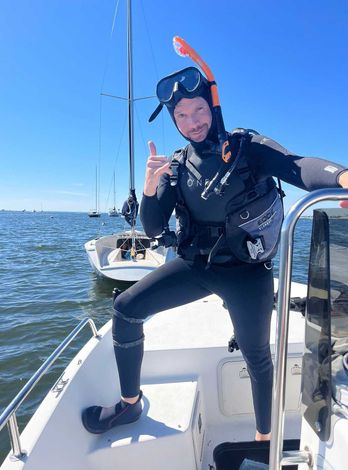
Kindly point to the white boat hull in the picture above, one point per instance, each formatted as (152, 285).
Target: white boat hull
(108, 260)
(196, 395)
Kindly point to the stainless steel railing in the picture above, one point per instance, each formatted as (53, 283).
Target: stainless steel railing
(9, 414)
(277, 456)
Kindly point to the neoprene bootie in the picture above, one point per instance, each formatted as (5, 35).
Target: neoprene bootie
(124, 413)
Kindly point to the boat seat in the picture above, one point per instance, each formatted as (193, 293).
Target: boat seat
(140, 244)
(124, 243)
(164, 429)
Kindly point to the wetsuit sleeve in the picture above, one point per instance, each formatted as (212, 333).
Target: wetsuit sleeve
(125, 208)
(156, 210)
(269, 158)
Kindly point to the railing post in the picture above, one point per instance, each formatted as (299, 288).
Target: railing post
(14, 437)
(8, 416)
(285, 267)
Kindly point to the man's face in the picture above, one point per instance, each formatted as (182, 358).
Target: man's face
(193, 118)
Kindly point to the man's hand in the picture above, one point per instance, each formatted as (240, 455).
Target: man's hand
(343, 181)
(156, 166)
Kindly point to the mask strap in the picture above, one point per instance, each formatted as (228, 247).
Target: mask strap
(156, 112)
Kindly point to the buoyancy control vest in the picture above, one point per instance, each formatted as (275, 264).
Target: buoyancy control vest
(243, 224)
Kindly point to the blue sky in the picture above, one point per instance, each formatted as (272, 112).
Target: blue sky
(281, 68)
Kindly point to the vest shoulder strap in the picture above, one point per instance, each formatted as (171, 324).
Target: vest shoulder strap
(178, 158)
(242, 130)
(180, 155)
(251, 133)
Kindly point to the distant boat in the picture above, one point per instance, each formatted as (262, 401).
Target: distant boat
(95, 212)
(114, 212)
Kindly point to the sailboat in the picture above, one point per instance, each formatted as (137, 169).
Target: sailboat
(95, 212)
(113, 212)
(198, 412)
(127, 255)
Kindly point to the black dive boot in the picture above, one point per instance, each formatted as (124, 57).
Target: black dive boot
(124, 413)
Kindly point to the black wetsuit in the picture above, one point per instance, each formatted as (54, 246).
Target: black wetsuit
(247, 289)
(130, 210)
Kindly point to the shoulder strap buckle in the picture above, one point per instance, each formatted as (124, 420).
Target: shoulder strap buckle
(178, 159)
(173, 178)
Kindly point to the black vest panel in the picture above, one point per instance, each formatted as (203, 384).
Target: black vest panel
(248, 202)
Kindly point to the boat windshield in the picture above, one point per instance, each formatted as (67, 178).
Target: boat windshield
(326, 337)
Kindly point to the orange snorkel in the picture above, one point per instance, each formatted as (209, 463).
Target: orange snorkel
(185, 50)
(182, 48)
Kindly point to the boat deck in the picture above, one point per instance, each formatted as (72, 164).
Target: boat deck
(196, 395)
(205, 323)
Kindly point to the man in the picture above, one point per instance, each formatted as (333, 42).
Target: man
(219, 250)
(130, 210)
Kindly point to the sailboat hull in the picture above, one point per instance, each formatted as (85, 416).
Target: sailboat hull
(114, 213)
(110, 259)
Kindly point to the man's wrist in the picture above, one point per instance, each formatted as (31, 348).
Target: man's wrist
(343, 179)
(149, 192)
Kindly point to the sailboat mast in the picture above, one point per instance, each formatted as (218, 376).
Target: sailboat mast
(114, 193)
(96, 189)
(130, 102)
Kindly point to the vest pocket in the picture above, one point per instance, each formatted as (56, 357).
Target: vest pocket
(252, 233)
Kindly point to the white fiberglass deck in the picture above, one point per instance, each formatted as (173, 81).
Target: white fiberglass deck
(196, 395)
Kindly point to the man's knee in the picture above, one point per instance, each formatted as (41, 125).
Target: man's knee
(118, 300)
(124, 308)
(126, 328)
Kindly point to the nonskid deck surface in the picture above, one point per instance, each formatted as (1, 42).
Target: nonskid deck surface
(196, 395)
(206, 323)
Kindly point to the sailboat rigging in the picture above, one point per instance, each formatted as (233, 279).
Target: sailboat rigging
(95, 212)
(127, 255)
(113, 212)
